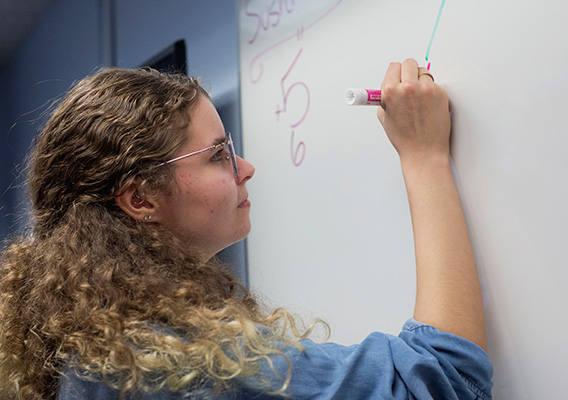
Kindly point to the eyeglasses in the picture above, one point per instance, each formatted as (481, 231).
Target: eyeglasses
(229, 148)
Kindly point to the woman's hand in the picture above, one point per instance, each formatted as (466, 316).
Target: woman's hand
(415, 112)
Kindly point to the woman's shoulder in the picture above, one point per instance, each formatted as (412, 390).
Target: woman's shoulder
(421, 362)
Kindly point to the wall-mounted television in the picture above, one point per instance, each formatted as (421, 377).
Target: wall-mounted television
(172, 59)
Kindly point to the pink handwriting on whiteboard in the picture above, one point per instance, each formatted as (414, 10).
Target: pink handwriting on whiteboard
(297, 152)
(265, 19)
(286, 93)
(269, 16)
(255, 65)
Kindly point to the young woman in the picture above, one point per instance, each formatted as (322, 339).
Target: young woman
(116, 292)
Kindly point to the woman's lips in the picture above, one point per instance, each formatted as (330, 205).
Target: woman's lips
(245, 204)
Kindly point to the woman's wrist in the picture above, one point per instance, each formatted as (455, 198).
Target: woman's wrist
(424, 164)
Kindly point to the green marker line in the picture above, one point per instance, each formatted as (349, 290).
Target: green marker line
(435, 28)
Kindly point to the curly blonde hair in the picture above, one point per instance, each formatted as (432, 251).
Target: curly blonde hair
(92, 290)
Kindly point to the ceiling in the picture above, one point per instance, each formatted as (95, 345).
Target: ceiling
(17, 17)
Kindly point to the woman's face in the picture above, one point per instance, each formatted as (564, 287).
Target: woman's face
(208, 207)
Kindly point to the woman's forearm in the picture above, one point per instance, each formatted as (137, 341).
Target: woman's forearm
(448, 293)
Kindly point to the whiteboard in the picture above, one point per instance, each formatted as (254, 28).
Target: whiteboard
(332, 235)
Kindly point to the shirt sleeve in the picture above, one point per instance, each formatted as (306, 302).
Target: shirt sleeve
(421, 363)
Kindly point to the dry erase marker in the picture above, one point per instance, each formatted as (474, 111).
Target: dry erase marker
(363, 97)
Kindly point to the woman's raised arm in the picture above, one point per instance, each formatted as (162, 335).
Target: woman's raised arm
(417, 121)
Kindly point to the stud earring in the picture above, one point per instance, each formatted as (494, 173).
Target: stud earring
(148, 217)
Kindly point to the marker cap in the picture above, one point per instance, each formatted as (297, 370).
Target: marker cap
(363, 97)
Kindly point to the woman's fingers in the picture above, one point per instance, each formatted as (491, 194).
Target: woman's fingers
(414, 111)
(392, 76)
(392, 79)
(409, 71)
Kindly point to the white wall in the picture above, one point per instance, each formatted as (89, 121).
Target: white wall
(333, 235)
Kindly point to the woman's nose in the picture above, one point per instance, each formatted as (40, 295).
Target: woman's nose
(246, 170)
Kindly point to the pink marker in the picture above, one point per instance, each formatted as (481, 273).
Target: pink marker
(363, 97)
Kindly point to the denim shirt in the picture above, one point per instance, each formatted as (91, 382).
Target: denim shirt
(421, 363)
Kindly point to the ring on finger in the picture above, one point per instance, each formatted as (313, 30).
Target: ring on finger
(426, 73)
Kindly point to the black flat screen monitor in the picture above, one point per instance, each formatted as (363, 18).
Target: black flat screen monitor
(171, 60)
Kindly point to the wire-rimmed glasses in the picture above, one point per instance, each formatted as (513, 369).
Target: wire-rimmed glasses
(228, 144)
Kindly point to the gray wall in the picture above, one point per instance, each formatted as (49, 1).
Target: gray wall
(61, 48)
(74, 38)
(5, 158)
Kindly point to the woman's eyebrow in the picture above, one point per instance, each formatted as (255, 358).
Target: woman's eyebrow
(218, 141)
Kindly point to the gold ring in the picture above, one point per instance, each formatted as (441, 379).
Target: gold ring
(426, 73)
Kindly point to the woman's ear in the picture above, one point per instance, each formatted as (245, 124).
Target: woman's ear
(133, 203)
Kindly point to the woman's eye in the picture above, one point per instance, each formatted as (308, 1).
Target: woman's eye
(220, 155)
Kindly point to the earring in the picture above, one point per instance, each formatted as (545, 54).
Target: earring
(148, 218)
